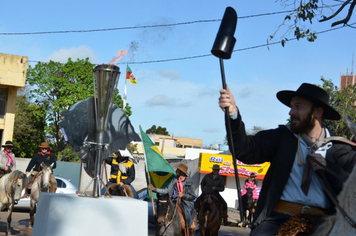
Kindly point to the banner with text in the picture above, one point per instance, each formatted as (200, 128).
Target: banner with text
(207, 160)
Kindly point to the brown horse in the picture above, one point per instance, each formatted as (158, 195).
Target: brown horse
(118, 190)
(41, 183)
(11, 186)
(209, 217)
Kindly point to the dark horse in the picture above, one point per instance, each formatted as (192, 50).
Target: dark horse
(248, 204)
(170, 221)
(209, 217)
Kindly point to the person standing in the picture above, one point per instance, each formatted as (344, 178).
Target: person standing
(213, 183)
(285, 193)
(43, 156)
(7, 158)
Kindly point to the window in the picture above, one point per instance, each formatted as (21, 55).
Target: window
(3, 98)
(61, 184)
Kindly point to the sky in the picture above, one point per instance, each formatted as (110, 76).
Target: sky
(178, 79)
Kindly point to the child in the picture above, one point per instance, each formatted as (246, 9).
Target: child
(250, 183)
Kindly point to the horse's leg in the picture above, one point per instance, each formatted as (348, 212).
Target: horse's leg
(32, 213)
(9, 218)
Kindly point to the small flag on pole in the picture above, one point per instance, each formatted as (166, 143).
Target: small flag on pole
(130, 76)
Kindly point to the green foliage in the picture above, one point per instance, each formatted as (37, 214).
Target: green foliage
(132, 148)
(157, 130)
(344, 103)
(300, 20)
(68, 155)
(57, 87)
(29, 127)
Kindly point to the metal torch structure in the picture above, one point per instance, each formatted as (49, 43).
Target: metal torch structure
(105, 79)
(222, 48)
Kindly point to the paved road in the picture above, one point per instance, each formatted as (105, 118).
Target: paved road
(224, 231)
(20, 222)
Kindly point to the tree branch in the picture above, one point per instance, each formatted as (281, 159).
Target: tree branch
(347, 18)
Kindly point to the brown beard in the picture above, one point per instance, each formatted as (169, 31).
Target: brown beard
(305, 125)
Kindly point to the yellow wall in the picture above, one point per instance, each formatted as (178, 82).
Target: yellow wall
(13, 71)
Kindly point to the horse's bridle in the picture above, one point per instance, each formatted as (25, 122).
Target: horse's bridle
(167, 213)
(325, 184)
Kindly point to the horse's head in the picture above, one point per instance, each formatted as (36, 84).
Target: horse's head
(45, 176)
(17, 182)
(164, 204)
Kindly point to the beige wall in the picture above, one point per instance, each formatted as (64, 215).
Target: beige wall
(13, 71)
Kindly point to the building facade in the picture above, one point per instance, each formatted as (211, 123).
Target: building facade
(13, 71)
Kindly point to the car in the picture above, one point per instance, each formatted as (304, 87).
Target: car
(63, 186)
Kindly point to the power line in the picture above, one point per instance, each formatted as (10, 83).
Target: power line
(237, 50)
(139, 27)
(145, 26)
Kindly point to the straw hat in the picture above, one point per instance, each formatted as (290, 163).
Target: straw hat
(183, 167)
(44, 145)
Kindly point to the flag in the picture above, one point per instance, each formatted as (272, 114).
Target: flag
(130, 76)
(161, 172)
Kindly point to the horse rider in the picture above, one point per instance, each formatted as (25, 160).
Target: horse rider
(290, 186)
(122, 171)
(7, 158)
(213, 183)
(250, 182)
(180, 187)
(43, 156)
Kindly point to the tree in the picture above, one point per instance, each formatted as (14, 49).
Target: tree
(57, 87)
(29, 131)
(157, 130)
(307, 11)
(342, 101)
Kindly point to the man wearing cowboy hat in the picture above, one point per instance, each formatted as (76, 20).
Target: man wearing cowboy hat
(43, 156)
(213, 183)
(284, 192)
(7, 158)
(183, 188)
(122, 171)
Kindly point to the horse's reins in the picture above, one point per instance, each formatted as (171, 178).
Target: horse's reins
(174, 213)
(332, 196)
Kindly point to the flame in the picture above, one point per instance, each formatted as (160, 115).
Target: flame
(117, 58)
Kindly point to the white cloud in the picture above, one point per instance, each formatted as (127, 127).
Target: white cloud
(80, 52)
(169, 74)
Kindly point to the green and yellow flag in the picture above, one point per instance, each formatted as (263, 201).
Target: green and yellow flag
(161, 172)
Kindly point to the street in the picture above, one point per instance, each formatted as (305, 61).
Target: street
(20, 222)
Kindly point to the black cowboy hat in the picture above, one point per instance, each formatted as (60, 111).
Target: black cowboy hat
(313, 93)
(216, 167)
(8, 144)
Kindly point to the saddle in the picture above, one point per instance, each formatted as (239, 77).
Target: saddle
(3, 172)
(32, 180)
